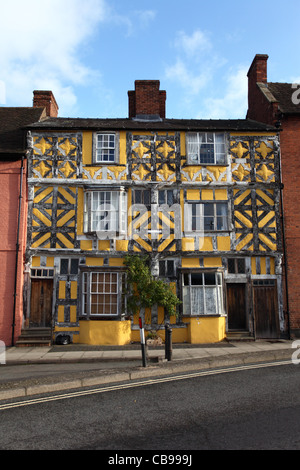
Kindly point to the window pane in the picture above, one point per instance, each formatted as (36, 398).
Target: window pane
(170, 268)
(209, 279)
(197, 301)
(210, 300)
(64, 266)
(186, 281)
(196, 279)
(162, 271)
(74, 266)
(231, 266)
(241, 266)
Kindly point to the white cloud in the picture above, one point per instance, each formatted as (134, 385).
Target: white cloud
(193, 45)
(189, 80)
(40, 47)
(192, 67)
(233, 103)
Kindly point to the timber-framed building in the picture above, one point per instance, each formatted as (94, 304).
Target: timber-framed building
(200, 197)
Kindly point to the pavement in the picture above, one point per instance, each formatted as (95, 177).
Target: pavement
(28, 371)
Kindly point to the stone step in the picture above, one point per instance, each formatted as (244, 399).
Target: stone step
(33, 337)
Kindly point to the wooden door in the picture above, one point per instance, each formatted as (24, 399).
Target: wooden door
(236, 306)
(41, 303)
(265, 308)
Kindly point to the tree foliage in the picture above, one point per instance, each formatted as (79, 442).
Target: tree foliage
(144, 290)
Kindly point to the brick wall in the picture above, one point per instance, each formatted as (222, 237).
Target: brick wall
(290, 163)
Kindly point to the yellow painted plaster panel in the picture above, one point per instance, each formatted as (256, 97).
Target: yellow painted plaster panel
(94, 261)
(221, 194)
(223, 243)
(272, 266)
(207, 195)
(87, 148)
(50, 262)
(116, 262)
(190, 262)
(121, 245)
(74, 290)
(104, 245)
(62, 290)
(86, 245)
(61, 314)
(212, 262)
(187, 244)
(73, 313)
(205, 244)
(36, 261)
(193, 194)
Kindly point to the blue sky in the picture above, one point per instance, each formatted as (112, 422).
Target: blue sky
(90, 53)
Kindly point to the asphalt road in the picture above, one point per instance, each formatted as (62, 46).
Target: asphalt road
(244, 409)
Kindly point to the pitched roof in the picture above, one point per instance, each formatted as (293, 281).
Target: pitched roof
(283, 93)
(72, 124)
(12, 123)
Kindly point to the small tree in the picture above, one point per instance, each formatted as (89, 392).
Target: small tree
(144, 290)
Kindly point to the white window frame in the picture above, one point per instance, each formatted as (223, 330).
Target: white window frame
(193, 293)
(202, 145)
(101, 293)
(105, 212)
(195, 217)
(105, 147)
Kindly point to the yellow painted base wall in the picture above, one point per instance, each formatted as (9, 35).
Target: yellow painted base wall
(117, 333)
(199, 330)
(203, 330)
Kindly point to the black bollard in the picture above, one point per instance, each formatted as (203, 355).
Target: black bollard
(168, 342)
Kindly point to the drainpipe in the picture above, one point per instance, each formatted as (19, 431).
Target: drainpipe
(284, 249)
(17, 251)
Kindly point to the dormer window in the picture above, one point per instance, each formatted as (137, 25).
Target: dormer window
(205, 148)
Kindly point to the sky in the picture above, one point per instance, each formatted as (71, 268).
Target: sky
(89, 53)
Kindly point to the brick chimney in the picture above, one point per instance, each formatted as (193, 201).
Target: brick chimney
(147, 101)
(261, 104)
(45, 99)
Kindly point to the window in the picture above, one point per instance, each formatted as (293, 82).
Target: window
(101, 293)
(166, 196)
(206, 148)
(69, 266)
(206, 216)
(167, 268)
(236, 266)
(105, 148)
(42, 272)
(202, 293)
(141, 196)
(105, 212)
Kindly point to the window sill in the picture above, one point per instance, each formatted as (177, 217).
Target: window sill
(103, 164)
(206, 164)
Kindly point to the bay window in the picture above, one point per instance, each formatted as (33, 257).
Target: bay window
(105, 212)
(202, 293)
